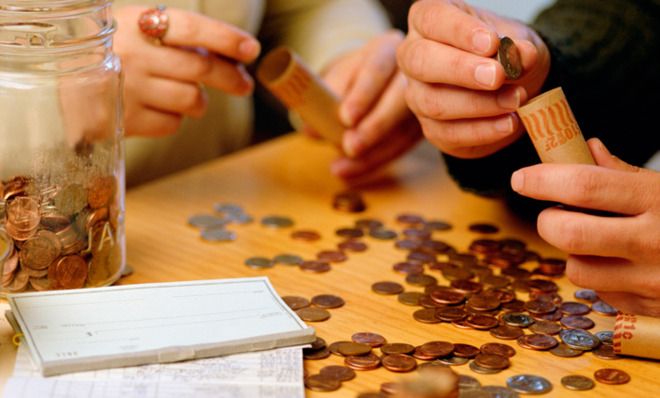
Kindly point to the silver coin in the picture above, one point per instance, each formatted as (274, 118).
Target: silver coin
(586, 295)
(518, 319)
(577, 382)
(277, 221)
(218, 235)
(466, 382)
(500, 392)
(228, 208)
(605, 336)
(529, 384)
(480, 369)
(206, 221)
(453, 360)
(240, 218)
(288, 259)
(603, 308)
(382, 234)
(579, 339)
(259, 262)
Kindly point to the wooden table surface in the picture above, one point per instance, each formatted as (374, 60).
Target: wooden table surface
(289, 176)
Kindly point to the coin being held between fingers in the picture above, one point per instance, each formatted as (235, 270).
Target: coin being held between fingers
(509, 56)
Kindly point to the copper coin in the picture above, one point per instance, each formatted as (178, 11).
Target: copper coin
(466, 350)
(605, 351)
(387, 288)
(327, 301)
(426, 315)
(499, 349)
(371, 339)
(450, 297)
(410, 219)
(19, 283)
(603, 308)
(484, 246)
(348, 232)
(352, 348)
(400, 363)
(41, 250)
(295, 302)
(483, 302)
(382, 234)
(317, 344)
(337, 372)
(331, 256)
(495, 281)
(315, 355)
(101, 190)
(438, 225)
(40, 284)
(407, 244)
(70, 272)
(552, 266)
(449, 314)
(509, 57)
(321, 383)
(540, 306)
(545, 327)
(482, 322)
(352, 245)
(421, 257)
(455, 272)
(436, 247)
(306, 235)
(611, 376)
(315, 266)
(514, 305)
(410, 298)
(22, 217)
(259, 262)
(437, 349)
(577, 322)
(407, 267)
(421, 280)
(417, 234)
(368, 223)
(483, 228)
(334, 347)
(288, 259)
(492, 361)
(551, 316)
(313, 314)
(419, 354)
(506, 332)
(574, 308)
(349, 201)
(397, 348)
(362, 362)
(482, 370)
(577, 383)
(564, 351)
(538, 342)
(466, 286)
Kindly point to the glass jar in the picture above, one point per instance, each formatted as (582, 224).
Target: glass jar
(61, 154)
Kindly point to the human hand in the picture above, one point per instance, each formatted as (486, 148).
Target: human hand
(164, 83)
(617, 256)
(380, 126)
(455, 86)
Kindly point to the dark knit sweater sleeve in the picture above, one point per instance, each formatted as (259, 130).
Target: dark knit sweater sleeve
(605, 54)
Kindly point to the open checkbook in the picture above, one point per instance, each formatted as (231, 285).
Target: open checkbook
(87, 329)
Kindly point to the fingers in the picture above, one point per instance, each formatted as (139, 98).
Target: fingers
(195, 66)
(171, 96)
(604, 158)
(152, 123)
(609, 274)
(585, 234)
(195, 30)
(585, 186)
(445, 22)
(375, 71)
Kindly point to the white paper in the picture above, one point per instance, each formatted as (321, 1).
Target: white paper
(88, 329)
(275, 374)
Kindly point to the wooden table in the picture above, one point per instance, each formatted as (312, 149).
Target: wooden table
(289, 176)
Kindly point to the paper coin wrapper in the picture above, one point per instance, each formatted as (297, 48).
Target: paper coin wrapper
(286, 76)
(553, 129)
(637, 336)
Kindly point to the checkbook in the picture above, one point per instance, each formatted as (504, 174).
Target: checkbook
(88, 329)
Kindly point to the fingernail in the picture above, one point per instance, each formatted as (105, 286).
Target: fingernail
(339, 167)
(485, 74)
(481, 41)
(351, 144)
(346, 115)
(517, 180)
(504, 125)
(249, 48)
(510, 98)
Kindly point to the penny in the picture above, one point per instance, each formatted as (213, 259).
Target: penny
(315, 266)
(492, 361)
(450, 297)
(465, 350)
(517, 319)
(322, 383)
(466, 286)
(545, 327)
(355, 246)
(605, 351)
(611, 376)
(368, 223)
(348, 232)
(259, 262)
(305, 235)
(313, 314)
(484, 246)
(438, 225)
(218, 234)
(417, 234)
(408, 244)
(315, 355)
(206, 221)
(288, 259)
(101, 190)
(574, 308)
(499, 349)
(71, 199)
(410, 219)
(371, 339)
(397, 348)
(399, 363)
(483, 228)
(509, 57)
(449, 314)
(362, 362)
(579, 339)
(334, 347)
(494, 281)
(452, 360)
(331, 256)
(387, 288)
(407, 267)
(529, 384)
(40, 284)
(542, 286)
(586, 295)
(514, 305)
(603, 308)
(275, 221)
(41, 250)
(482, 322)
(349, 201)
(482, 370)
(540, 306)
(436, 349)
(352, 348)
(19, 283)
(552, 266)
(421, 280)
(22, 218)
(328, 301)
(9, 269)
(564, 351)
(506, 332)
(538, 342)
(296, 302)
(577, 322)
(455, 272)
(426, 315)
(410, 298)
(337, 372)
(577, 383)
(433, 366)
(70, 272)
(382, 234)
(436, 247)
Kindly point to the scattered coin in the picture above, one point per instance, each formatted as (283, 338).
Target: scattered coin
(306, 235)
(574, 308)
(337, 372)
(564, 351)
(579, 339)
(506, 332)
(315, 266)
(400, 363)
(313, 314)
(352, 348)
(218, 234)
(605, 336)
(206, 221)
(371, 339)
(328, 301)
(510, 59)
(322, 383)
(611, 376)
(352, 245)
(362, 362)
(529, 384)
(577, 382)
(466, 350)
(518, 319)
(538, 342)
(288, 259)
(259, 262)
(277, 221)
(483, 228)
(426, 315)
(492, 361)
(577, 322)
(605, 351)
(349, 201)
(586, 295)
(397, 348)
(295, 302)
(603, 308)
(387, 288)
(499, 349)
(545, 327)
(382, 234)
(331, 256)
(499, 392)
(410, 298)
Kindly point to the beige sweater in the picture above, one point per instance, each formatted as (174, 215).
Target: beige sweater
(319, 30)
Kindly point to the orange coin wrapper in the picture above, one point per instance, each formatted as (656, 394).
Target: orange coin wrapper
(637, 335)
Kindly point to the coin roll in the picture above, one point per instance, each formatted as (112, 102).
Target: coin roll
(290, 80)
(637, 336)
(553, 129)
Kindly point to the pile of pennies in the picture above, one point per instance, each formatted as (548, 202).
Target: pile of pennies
(58, 237)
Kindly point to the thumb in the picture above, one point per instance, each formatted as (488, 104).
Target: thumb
(604, 158)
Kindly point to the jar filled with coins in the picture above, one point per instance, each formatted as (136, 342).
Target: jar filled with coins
(61, 154)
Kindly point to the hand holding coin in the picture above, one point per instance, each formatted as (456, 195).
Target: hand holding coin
(468, 71)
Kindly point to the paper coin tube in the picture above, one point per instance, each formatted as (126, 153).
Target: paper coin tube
(286, 76)
(553, 129)
(637, 336)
